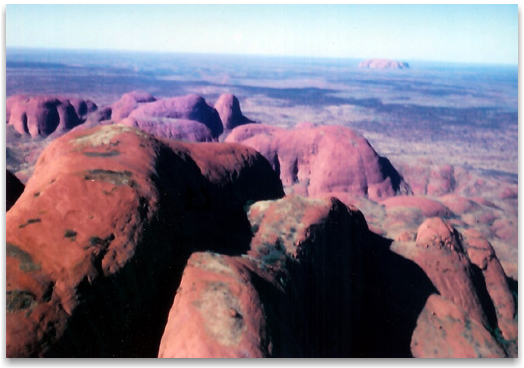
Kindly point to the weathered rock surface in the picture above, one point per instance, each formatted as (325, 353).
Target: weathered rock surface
(428, 207)
(250, 306)
(444, 260)
(481, 254)
(115, 220)
(11, 102)
(108, 216)
(483, 203)
(459, 205)
(383, 64)
(312, 161)
(433, 180)
(190, 107)
(308, 287)
(180, 129)
(457, 322)
(218, 312)
(129, 102)
(45, 115)
(449, 332)
(14, 189)
(228, 108)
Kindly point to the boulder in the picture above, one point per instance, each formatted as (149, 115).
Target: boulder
(444, 260)
(45, 115)
(460, 322)
(482, 254)
(110, 214)
(458, 204)
(190, 107)
(228, 108)
(428, 207)
(323, 159)
(291, 278)
(444, 330)
(129, 102)
(217, 312)
(180, 129)
(11, 102)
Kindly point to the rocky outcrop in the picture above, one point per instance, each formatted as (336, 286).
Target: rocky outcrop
(316, 160)
(82, 107)
(289, 284)
(217, 311)
(433, 180)
(121, 108)
(110, 214)
(11, 102)
(383, 64)
(479, 202)
(446, 331)
(458, 204)
(228, 108)
(129, 102)
(460, 321)
(190, 107)
(444, 260)
(482, 255)
(129, 244)
(44, 115)
(428, 207)
(180, 129)
(14, 189)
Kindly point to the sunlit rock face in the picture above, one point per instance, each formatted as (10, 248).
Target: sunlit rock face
(41, 116)
(323, 159)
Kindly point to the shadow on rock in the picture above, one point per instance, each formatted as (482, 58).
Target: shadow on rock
(393, 291)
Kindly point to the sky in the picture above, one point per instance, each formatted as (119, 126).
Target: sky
(450, 33)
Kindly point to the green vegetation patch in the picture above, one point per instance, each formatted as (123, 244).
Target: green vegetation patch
(273, 253)
(102, 154)
(71, 234)
(26, 261)
(96, 241)
(110, 176)
(17, 300)
(30, 221)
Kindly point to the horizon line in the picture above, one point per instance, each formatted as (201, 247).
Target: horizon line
(286, 56)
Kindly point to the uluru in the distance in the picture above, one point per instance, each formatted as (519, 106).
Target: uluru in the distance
(383, 64)
(213, 200)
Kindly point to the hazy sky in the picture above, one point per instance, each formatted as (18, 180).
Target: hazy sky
(471, 33)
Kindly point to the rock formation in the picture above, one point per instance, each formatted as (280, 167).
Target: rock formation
(428, 207)
(446, 331)
(290, 283)
(129, 102)
(180, 129)
(108, 216)
(190, 107)
(11, 102)
(316, 160)
(44, 115)
(186, 118)
(459, 322)
(228, 108)
(482, 255)
(383, 64)
(129, 242)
